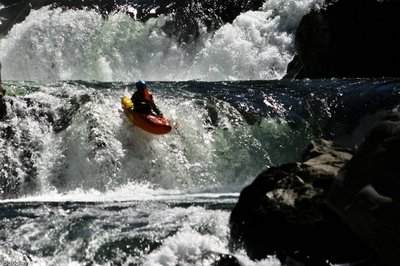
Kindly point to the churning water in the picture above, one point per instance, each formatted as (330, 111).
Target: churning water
(79, 185)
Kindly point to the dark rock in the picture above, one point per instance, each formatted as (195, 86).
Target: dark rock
(3, 107)
(13, 13)
(293, 68)
(283, 212)
(226, 260)
(352, 38)
(68, 112)
(366, 193)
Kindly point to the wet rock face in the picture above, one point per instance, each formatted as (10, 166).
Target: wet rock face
(330, 207)
(366, 193)
(20, 146)
(19, 149)
(283, 212)
(3, 109)
(350, 38)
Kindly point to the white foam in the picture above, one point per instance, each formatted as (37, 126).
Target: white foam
(184, 248)
(52, 44)
(257, 45)
(190, 247)
(100, 156)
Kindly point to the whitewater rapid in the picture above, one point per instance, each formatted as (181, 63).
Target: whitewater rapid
(73, 138)
(80, 185)
(55, 44)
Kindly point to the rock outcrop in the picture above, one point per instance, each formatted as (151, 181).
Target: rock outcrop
(283, 212)
(350, 38)
(366, 193)
(3, 107)
(331, 206)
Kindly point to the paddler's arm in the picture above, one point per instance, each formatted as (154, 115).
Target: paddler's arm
(155, 108)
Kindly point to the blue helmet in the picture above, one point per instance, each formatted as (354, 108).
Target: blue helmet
(141, 85)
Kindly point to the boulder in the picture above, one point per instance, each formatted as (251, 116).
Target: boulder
(225, 260)
(366, 192)
(284, 213)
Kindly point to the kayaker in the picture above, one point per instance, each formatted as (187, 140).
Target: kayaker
(143, 100)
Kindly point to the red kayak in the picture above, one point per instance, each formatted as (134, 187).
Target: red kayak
(153, 124)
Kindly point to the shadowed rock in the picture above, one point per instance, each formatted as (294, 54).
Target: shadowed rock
(283, 212)
(226, 260)
(3, 107)
(366, 193)
(350, 38)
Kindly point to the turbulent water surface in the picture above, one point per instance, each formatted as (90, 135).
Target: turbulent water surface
(79, 185)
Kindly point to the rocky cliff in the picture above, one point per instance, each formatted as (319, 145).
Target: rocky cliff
(332, 207)
(350, 38)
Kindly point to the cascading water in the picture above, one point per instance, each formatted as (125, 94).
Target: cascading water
(79, 138)
(79, 185)
(54, 44)
(76, 172)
